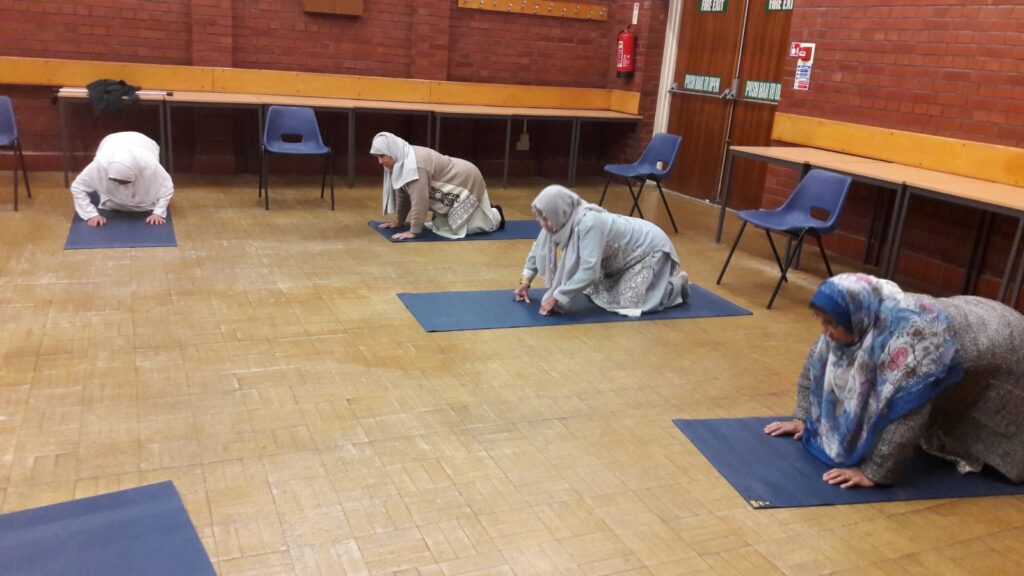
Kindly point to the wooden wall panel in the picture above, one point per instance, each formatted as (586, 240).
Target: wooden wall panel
(766, 47)
(707, 46)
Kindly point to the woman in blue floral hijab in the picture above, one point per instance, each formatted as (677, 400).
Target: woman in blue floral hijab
(884, 375)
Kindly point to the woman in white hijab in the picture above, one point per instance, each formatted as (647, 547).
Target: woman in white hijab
(127, 176)
(418, 179)
(625, 265)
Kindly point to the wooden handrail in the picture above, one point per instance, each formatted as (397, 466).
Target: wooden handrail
(992, 162)
(57, 72)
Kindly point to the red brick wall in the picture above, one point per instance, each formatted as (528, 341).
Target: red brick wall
(212, 24)
(520, 48)
(429, 39)
(278, 35)
(953, 69)
(650, 32)
(156, 32)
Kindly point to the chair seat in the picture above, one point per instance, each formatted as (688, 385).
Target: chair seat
(787, 221)
(6, 140)
(654, 164)
(306, 147)
(635, 171)
(819, 191)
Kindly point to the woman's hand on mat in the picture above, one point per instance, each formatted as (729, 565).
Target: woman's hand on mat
(388, 225)
(548, 306)
(96, 221)
(155, 219)
(847, 477)
(523, 293)
(793, 428)
(403, 236)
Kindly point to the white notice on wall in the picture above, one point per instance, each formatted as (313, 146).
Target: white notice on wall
(636, 12)
(804, 52)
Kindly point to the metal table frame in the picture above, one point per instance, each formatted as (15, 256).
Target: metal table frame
(894, 234)
(509, 118)
(352, 112)
(171, 104)
(899, 188)
(1011, 260)
(574, 135)
(434, 119)
(65, 129)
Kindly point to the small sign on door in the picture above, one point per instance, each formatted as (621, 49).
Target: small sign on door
(713, 6)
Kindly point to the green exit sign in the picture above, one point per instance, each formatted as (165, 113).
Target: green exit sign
(714, 5)
(779, 5)
(702, 84)
(762, 91)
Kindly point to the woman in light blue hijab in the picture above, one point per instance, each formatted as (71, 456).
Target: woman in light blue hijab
(894, 370)
(624, 265)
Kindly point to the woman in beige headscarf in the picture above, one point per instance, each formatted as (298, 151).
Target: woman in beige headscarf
(418, 179)
(625, 265)
(127, 176)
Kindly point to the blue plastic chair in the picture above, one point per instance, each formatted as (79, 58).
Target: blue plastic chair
(662, 150)
(9, 141)
(820, 190)
(293, 130)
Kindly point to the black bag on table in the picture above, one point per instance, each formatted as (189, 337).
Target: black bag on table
(106, 94)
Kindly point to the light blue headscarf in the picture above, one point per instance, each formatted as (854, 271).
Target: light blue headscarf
(904, 355)
(563, 209)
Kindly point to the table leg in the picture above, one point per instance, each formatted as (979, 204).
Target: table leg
(977, 253)
(430, 117)
(170, 140)
(1009, 267)
(437, 133)
(870, 238)
(64, 143)
(259, 138)
(508, 151)
(163, 132)
(574, 150)
(723, 194)
(351, 169)
(902, 201)
(1015, 294)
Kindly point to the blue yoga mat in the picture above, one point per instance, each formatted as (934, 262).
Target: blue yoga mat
(482, 310)
(123, 230)
(514, 230)
(776, 472)
(139, 531)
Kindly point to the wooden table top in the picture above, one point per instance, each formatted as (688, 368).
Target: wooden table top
(944, 183)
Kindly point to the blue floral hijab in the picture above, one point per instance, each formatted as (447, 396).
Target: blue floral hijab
(904, 355)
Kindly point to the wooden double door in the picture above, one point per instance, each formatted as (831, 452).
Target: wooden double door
(727, 84)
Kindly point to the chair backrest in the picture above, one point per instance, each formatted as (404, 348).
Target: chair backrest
(8, 128)
(663, 149)
(291, 125)
(820, 190)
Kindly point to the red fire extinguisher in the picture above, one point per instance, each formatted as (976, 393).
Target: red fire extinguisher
(625, 55)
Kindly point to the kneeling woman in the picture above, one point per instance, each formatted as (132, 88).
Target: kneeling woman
(892, 371)
(625, 265)
(417, 179)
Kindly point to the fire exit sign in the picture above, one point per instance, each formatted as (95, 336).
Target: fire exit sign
(778, 5)
(713, 6)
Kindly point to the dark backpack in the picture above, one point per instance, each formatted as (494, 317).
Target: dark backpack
(111, 95)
